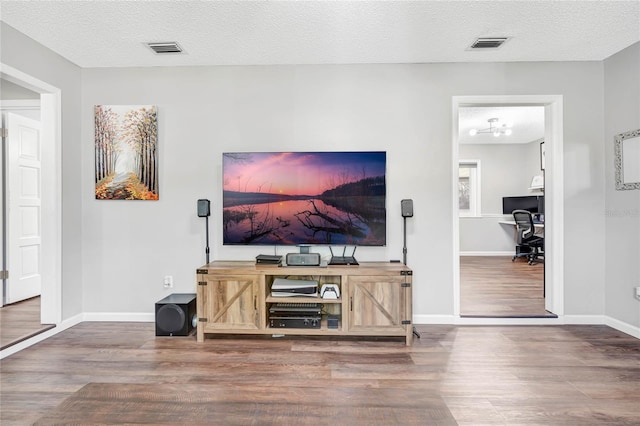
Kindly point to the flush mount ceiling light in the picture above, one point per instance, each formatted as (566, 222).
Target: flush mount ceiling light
(493, 128)
(165, 47)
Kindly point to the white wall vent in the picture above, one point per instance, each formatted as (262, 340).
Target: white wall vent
(165, 47)
(488, 43)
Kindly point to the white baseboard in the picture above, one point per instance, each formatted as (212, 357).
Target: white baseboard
(487, 253)
(454, 320)
(623, 326)
(584, 319)
(561, 320)
(433, 319)
(119, 317)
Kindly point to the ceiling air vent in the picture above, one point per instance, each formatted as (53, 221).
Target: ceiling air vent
(488, 43)
(165, 47)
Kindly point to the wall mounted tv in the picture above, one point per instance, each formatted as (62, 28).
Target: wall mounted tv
(300, 198)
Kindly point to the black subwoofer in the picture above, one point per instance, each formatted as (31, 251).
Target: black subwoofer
(176, 315)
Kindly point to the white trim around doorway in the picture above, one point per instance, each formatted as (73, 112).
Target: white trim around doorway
(554, 194)
(51, 137)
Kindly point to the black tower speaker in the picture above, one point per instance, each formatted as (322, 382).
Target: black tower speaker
(176, 315)
(407, 208)
(204, 208)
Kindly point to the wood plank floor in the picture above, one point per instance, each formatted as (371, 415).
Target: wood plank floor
(19, 321)
(117, 373)
(494, 286)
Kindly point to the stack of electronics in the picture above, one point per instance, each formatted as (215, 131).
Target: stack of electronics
(295, 315)
(284, 287)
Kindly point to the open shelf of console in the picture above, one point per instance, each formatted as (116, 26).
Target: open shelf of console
(234, 297)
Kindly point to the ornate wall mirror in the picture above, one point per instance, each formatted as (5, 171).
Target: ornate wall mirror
(627, 158)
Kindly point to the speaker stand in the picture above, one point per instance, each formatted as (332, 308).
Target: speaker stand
(404, 244)
(404, 259)
(206, 250)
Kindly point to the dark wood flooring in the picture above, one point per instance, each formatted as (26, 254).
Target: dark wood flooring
(20, 321)
(494, 286)
(120, 373)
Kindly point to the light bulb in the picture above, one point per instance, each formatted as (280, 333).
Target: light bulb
(508, 132)
(473, 132)
(496, 133)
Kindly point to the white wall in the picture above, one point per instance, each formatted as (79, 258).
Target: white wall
(622, 114)
(404, 109)
(506, 170)
(115, 253)
(27, 56)
(12, 91)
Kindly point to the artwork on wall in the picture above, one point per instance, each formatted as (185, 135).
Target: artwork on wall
(126, 152)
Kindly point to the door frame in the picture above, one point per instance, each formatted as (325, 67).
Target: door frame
(554, 192)
(50, 137)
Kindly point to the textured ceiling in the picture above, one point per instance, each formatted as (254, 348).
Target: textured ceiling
(112, 33)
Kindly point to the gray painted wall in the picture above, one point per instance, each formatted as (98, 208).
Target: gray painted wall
(10, 91)
(403, 109)
(506, 170)
(622, 113)
(115, 253)
(22, 53)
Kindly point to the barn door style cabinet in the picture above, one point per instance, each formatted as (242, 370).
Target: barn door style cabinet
(234, 297)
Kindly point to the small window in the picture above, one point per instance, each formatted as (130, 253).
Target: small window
(469, 187)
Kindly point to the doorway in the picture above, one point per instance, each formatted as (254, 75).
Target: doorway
(552, 110)
(500, 171)
(49, 259)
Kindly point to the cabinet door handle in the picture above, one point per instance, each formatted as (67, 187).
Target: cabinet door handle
(351, 303)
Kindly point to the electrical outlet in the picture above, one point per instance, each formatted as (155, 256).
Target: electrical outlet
(168, 281)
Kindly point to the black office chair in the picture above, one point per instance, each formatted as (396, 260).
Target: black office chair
(529, 244)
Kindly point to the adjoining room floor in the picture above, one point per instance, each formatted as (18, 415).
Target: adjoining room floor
(19, 321)
(494, 286)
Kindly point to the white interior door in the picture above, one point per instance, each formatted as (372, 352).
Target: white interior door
(23, 159)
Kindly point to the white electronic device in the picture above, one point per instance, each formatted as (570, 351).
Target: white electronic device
(330, 291)
(284, 287)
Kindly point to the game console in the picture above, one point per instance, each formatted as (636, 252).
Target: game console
(330, 291)
(285, 287)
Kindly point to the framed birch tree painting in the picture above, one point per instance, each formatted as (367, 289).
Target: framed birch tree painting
(126, 152)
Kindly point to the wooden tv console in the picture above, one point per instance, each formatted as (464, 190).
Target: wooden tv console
(234, 297)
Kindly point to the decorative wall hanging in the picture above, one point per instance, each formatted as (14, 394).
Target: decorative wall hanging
(627, 160)
(126, 154)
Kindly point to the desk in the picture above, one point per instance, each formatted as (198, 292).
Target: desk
(538, 228)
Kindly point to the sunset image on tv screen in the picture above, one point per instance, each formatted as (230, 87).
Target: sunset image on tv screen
(293, 198)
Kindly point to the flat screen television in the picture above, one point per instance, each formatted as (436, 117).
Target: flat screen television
(531, 203)
(304, 198)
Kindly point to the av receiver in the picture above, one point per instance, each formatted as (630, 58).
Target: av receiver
(303, 259)
(306, 321)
